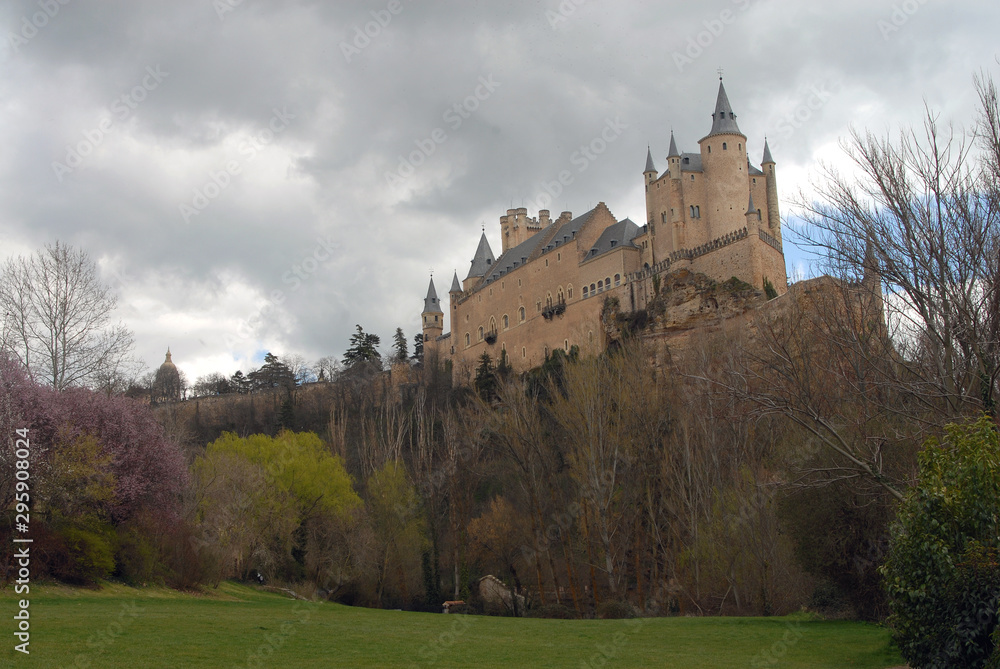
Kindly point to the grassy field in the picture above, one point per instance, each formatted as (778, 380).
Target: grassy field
(235, 626)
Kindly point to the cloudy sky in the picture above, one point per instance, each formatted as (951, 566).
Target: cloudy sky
(261, 175)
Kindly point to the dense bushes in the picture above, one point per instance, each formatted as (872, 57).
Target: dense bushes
(104, 480)
(941, 573)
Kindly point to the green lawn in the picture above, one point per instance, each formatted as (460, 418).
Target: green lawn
(236, 626)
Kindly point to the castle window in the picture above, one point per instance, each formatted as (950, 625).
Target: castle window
(566, 345)
(755, 179)
(518, 283)
(435, 318)
(692, 211)
(546, 262)
(618, 279)
(558, 257)
(480, 333)
(506, 322)
(467, 340)
(697, 212)
(739, 147)
(520, 315)
(692, 177)
(709, 148)
(501, 285)
(493, 324)
(591, 336)
(560, 297)
(538, 305)
(724, 147)
(600, 286)
(593, 289)
(569, 291)
(586, 292)
(607, 282)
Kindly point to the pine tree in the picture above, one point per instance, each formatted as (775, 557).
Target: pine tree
(418, 347)
(364, 348)
(399, 344)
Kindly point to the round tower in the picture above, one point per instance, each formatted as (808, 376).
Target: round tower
(432, 318)
(648, 177)
(724, 160)
(773, 216)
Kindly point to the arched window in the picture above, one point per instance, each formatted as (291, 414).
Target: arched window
(607, 283)
(593, 289)
(692, 211)
(506, 322)
(560, 296)
(493, 324)
(709, 148)
(618, 279)
(520, 315)
(600, 286)
(724, 147)
(569, 291)
(480, 333)
(586, 292)
(467, 339)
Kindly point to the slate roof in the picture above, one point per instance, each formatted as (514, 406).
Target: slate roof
(673, 146)
(615, 236)
(456, 287)
(515, 257)
(767, 154)
(650, 167)
(567, 232)
(431, 302)
(691, 162)
(724, 120)
(483, 259)
(754, 172)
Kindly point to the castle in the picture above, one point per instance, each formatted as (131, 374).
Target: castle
(710, 212)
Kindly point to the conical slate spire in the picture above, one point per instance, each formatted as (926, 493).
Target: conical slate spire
(650, 167)
(724, 120)
(456, 287)
(483, 260)
(750, 208)
(431, 302)
(673, 153)
(767, 154)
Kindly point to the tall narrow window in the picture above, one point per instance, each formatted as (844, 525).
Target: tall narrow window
(506, 322)
(480, 333)
(520, 314)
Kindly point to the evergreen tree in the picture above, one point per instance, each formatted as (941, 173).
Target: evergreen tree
(418, 347)
(364, 348)
(272, 374)
(486, 378)
(399, 345)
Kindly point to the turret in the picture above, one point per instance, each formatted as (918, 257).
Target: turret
(674, 158)
(432, 316)
(481, 263)
(753, 218)
(724, 160)
(648, 177)
(454, 295)
(773, 215)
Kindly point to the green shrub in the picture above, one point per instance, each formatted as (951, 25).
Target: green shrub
(137, 559)
(615, 610)
(941, 573)
(90, 555)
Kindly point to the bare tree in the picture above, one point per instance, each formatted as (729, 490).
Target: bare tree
(924, 217)
(58, 319)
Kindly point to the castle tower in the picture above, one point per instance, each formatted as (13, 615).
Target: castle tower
(432, 317)
(674, 158)
(454, 294)
(481, 264)
(753, 218)
(773, 216)
(724, 160)
(648, 177)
